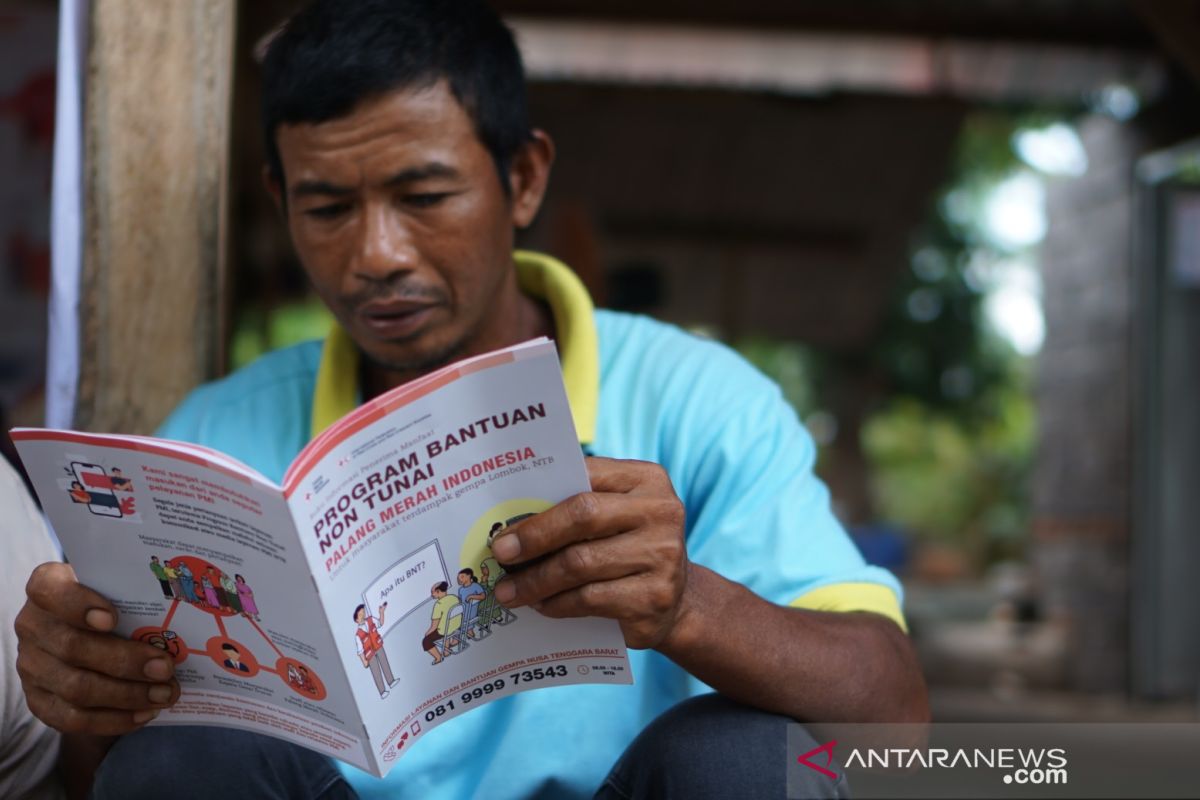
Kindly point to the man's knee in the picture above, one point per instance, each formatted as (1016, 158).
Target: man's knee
(154, 762)
(713, 747)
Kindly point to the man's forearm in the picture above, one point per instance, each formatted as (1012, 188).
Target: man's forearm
(79, 757)
(810, 665)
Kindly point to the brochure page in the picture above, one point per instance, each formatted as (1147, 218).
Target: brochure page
(202, 561)
(396, 508)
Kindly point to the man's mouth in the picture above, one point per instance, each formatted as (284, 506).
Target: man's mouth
(396, 319)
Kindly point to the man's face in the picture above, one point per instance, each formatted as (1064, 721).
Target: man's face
(360, 616)
(399, 218)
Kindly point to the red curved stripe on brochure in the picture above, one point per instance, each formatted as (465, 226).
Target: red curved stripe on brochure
(374, 410)
(138, 444)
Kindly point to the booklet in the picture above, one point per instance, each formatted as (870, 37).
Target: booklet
(350, 610)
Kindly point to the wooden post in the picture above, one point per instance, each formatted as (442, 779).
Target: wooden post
(156, 128)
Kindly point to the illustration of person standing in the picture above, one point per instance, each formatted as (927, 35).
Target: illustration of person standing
(173, 579)
(161, 574)
(369, 644)
(210, 594)
(222, 598)
(231, 592)
(188, 581)
(246, 598)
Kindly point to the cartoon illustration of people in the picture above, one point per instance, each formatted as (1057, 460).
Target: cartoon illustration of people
(233, 658)
(231, 593)
(161, 574)
(441, 624)
(470, 593)
(214, 577)
(210, 594)
(78, 493)
(490, 572)
(369, 644)
(293, 676)
(119, 482)
(188, 581)
(246, 598)
(306, 681)
(173, 579)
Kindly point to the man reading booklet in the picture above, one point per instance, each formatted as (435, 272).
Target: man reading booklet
(402, 161)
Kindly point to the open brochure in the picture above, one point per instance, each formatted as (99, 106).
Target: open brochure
(350, 610)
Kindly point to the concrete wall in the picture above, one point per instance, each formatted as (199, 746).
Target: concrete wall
(1083, 475)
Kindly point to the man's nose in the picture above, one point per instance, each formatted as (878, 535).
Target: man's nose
(387, 246)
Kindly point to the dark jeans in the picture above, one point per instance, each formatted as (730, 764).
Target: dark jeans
(706, 747)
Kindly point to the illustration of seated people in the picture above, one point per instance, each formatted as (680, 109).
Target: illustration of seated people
(246, 598)
(78, 493)
(173, 579)
(233, 658)
(119, 482)
(369, 644)
(470, 594)
(161, 573)
(490, 612)
(490, 572)
(445, 623)
(231, 593)
(188, 580)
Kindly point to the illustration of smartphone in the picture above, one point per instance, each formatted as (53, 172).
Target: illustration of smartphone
(98, 485)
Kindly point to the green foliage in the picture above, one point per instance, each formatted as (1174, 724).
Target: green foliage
(255, 334)
(947, 480)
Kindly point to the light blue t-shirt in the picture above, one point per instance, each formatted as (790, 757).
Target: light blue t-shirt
(736, 455)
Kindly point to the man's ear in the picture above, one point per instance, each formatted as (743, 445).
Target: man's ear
(275, 190)
(528, 175)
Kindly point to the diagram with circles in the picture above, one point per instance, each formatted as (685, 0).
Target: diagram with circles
(194, 585)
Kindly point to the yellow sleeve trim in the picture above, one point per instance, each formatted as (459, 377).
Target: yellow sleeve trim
(575, 331)
(863, 596)
(336, 392)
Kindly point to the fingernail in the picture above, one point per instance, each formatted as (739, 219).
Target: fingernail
(159, 694)
(157, 669)
(144, 716)
(505, 591)
(507, 547)
(99, 619)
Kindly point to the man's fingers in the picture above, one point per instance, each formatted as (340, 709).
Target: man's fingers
(53, 588)
(590, 515)
(625, 476)
(98, 652)
(644, 607)
(86, 689)
(63, 716)
(579, 563)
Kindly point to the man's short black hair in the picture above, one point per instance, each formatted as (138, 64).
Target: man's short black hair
(361, 607)
(470, 573)
(334, 54)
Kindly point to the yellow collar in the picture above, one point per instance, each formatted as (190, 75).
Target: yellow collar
(337, 392)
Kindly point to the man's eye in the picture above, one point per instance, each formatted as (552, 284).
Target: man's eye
(327, 212)
(426, 199)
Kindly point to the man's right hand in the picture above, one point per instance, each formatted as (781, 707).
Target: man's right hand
(78, 676)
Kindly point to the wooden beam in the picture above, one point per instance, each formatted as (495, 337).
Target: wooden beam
(156, 128)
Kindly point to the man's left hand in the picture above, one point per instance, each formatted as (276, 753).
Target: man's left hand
(616, 551)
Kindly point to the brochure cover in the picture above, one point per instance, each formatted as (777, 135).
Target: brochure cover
(350, 610)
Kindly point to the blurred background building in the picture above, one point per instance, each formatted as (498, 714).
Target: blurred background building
(964, 237)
